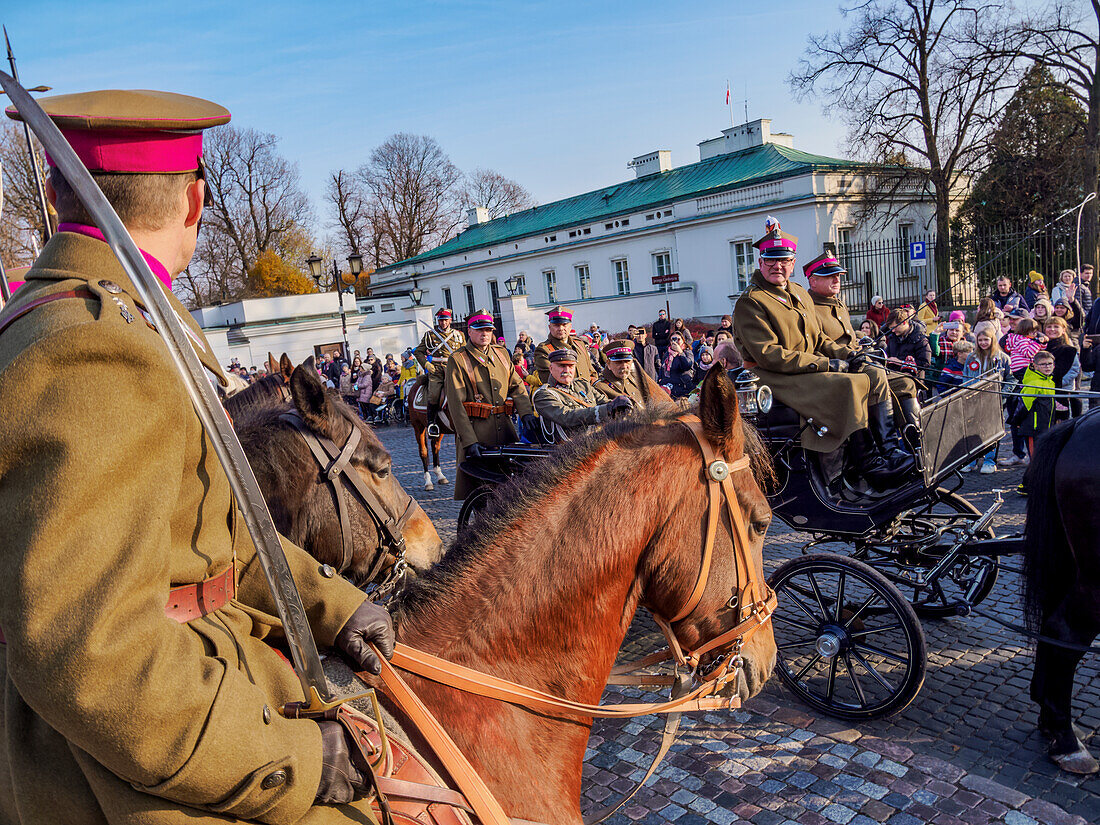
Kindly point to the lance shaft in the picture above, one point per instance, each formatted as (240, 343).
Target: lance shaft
(47, 230)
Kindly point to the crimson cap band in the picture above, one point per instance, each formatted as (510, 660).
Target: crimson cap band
(443, 312)
(559, 315)
(776, 243)
(824, 265)
(481, 319)
(619, 350)
(133, 131)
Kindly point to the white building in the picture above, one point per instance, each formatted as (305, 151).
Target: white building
(675, 236)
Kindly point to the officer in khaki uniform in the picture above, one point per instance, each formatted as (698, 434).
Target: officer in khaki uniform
(483, 391)
(622, 377)
(433, 353)
(138, 685)
(777, 332)
(572, 404)
(560, 323)
(823, 274)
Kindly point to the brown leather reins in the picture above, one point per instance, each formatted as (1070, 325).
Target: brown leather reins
(753, 602)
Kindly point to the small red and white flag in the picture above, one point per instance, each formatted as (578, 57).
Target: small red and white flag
(727, 93)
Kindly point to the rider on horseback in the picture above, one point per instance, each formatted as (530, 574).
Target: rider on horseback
(436, 348)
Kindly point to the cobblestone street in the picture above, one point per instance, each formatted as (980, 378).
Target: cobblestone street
(965, 751)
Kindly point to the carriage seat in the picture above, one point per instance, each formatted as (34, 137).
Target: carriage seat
(779, 423)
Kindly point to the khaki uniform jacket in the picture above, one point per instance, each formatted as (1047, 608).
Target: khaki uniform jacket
(642, 389)
(111, 494)
(488, 377)
(837, 324)
(585, 369)
(573, 407)
(432, 344)
(778, 334)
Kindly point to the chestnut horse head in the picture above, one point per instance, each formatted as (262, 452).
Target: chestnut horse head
(542, 589)
(302, 501)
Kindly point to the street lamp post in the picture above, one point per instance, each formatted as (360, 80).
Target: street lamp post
(355, 266)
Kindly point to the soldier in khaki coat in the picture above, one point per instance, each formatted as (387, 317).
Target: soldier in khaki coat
(622, 376)
(139, 685)
(483, 391)
(570, 404)
(778, 334)
(433, 353)
(823, 274)
(560, 334)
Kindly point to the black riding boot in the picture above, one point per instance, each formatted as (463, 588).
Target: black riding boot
(433, 423)
(910, 410)
(885, 433)
(865, 461)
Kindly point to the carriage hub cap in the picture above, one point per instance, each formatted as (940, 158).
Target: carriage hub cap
(828, 644)
(718, 470)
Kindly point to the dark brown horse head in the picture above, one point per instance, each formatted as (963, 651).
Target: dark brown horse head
(302, 502)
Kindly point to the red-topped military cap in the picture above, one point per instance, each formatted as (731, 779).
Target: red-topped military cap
(443, 312)
(559, 315)
(824, 265)
(481, 319)
(776, 243)
(619, 350)
(133, 130)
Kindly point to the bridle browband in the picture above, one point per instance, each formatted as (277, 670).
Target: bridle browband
(334, 462)
(695, 688)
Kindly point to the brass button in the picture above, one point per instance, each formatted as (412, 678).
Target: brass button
(111, 287)
(267, 715)
(328, 571)
(273, 780)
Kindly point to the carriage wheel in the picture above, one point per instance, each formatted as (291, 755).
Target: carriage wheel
(899, 558)
(849, 643)
(474, 504)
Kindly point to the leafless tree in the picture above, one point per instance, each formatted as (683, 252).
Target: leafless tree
(350, 211)
(415, 191)
(259, 204)
(21, 230)
(923, 78)
(499, 195)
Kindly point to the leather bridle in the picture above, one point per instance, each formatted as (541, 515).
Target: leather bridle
(694, 686)
(334, 462)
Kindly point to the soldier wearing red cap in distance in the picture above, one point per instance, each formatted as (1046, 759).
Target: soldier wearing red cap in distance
(560, 334)
(623, 376)
(433, 353)
(138, 684)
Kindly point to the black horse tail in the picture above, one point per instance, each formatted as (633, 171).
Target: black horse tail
(1047, 554)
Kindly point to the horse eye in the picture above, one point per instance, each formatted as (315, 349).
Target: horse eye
(761, 525)
(383, 472)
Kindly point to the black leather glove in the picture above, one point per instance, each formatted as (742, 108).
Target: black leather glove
(530, 423)
(370, 624)
(838, 365)
(619, 405)
(857, 361)
(473, 451)
(341, 780)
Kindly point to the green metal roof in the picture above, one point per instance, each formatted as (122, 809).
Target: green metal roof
(734, 170)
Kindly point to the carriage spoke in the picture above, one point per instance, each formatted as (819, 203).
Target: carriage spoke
(878, 677)
(832, 680)
(858, 612)
(840, 596)
(856, 686)
(817, 594)
(783, 617)
(803, 607)
(813, 661)
(791, 645)
(878, 651)
(867, 631)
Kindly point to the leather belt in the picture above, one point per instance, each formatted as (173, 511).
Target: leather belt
(190, 601)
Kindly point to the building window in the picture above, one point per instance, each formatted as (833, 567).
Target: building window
(447, 298)
(904, 230)
(368, 309)
(494, 296)
(844, 249)
(387, 307)
(584, 281)
(471, 307)
(662, 266)
(622, 276)
(550, 278)
(741, 263)
(521, 283)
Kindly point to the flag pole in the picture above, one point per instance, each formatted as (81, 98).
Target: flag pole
(729, 102)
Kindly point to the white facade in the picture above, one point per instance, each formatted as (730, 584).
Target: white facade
(603, 268)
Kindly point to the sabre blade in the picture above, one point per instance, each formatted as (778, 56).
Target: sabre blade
(288, 602)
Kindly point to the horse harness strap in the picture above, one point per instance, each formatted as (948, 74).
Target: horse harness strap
(334, 464)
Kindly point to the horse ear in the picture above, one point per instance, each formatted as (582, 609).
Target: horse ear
(285, 366)
(719, 414)
(311, 399)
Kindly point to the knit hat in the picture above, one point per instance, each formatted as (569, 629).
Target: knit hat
(875, 299)
(957, 315)
(1034, 276)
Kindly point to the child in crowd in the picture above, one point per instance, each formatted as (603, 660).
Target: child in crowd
(1035, 414)
(987, 357)
(1021, 346)
(951, 374)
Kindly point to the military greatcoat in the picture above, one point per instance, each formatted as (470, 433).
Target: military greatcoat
(571, 406)
(484, 377)
(111, 494)
(778, 334)
(837, 324)
(585, 369)
(638, 386)
(433, 353)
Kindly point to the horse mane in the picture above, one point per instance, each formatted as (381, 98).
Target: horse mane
(530, 489)
(262, 392)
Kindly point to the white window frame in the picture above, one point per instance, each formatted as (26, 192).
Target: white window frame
(905, 234)
(584, 280)
(471, 299)
(447, 298)
(494, 296)
(741, 260)
(656, 258)
(621, 268)
(550, 282)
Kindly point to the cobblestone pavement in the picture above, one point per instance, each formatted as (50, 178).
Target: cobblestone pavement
(965, 750)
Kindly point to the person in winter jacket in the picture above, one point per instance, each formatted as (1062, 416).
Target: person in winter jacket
(1036, 289)
(1035, 415)
(907, 344)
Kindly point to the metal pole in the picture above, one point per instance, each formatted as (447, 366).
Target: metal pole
(47, 230)
(340, 299)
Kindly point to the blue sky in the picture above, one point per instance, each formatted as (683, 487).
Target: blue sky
(558, 95)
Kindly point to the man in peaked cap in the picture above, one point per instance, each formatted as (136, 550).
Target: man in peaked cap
(823, 274)
(560, 334)
(780, 338)
(133, 606)
(433, 353)
(622, 376)
(483, 391)
(572, 404)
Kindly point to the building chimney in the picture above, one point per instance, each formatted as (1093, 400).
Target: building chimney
(747, 135)
(651, 164)
(476, 215)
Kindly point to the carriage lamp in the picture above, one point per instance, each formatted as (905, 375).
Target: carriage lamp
(752, 398)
